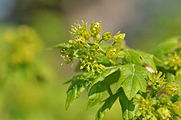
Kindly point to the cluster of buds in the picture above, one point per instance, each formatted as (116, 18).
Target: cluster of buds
(156, 80)
(158, 104)
(115, 51)
(118, 38)
(173, 60)
(173, 88)
(86, 46)
(164, 113)
(145, 107)
(107, 36)
(95, 28)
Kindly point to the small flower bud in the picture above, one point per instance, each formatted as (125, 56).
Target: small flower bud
(119, 37)
(172, 88)
(156, 80)
(86, 34)
(163, 113)
(173, 60)
(150, 69)
(107, 36)
(95, 28)
(80, 42)
(111, 53)
(97, 37)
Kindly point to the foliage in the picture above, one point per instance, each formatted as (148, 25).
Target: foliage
(147, 85)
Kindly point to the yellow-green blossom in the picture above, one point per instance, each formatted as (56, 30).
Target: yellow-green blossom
(119, 37)
(78, 28)
(107, 36)
(114, 53)
(173, 60)
(145, 107)
(172, 88)
(164, 113)
(86, 34)
(156, 80)
(95, 28)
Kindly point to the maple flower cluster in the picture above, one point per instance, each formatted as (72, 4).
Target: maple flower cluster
(86, 46)
(163, 90)
(160, 102)
(173, 60)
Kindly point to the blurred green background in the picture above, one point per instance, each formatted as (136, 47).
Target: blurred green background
(31, 75)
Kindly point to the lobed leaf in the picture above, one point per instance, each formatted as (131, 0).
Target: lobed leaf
(166, 47)
(126, 105)
(98, 97)
(106, 106)
(104, 74)
(132, 79)
(104, 85)
(77, 86)
(139, 58)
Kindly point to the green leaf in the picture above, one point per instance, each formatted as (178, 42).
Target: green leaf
(132, 57)
(132, 79)
(104, 60)
(104, 85)
(106, 106)
(147, 59)
(166, 47)
(71, 95)
(77, 86)
(158, 62)
(126, 105)
(104, 74)
(139, 58)
(104, 46)
(98, 97)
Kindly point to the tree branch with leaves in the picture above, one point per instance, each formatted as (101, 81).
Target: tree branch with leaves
(147, 85)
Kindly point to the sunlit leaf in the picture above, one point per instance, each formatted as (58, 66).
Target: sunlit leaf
(139, 58)
(126, 105)
(77, 86)
(166, 47)
(132, 79)
(106, 106)
(103, 85)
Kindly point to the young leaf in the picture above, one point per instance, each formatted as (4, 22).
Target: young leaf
(106, 106)
(147, 59)
(98, 97)
(78, 85)
(166, 47)
(132, 79)
(104, 85)
(104, 74)
(139, 58)
(126, 105)
(71, 95)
